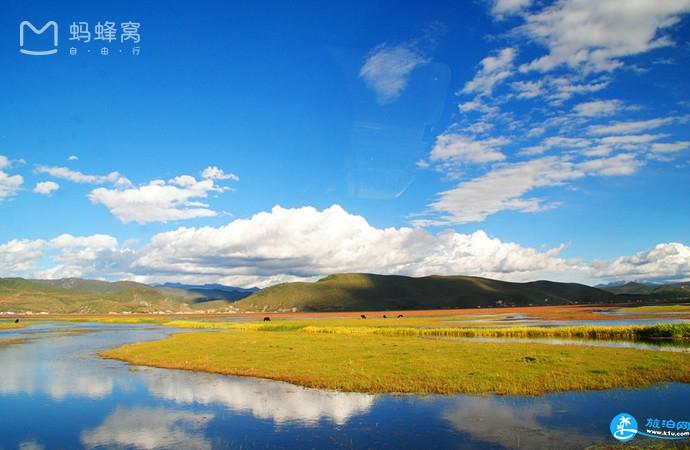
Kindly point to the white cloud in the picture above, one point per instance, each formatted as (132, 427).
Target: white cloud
(158, 200)
(502, 8)
(631, 141)
(9, 184)
(46, 187)
(456, 148)
(665, 261)
(214, 173)
(387, 70)
(503, 188)
(670, 147)
(621, 164)
(78, 177)
(72, 158)
(20, 255)
(597, 108)
(630, 127)
(287, 244)
(594, 36)
(493, 70)
(556, 142)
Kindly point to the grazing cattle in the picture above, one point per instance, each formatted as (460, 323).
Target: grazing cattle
(399, 316)
(16, 321)
(384, 316)
(363, 316)
(267, 319)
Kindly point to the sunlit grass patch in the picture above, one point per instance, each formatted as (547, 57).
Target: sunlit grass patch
(400, 363)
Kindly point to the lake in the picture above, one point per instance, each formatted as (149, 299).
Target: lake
(55, 392)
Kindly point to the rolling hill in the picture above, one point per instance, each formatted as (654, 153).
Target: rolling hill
(362, 292)
(75, 295)
(652, 291)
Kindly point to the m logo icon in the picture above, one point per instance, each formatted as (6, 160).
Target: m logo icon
(26, 24)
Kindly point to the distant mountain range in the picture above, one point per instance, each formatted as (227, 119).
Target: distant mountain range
(340, 292)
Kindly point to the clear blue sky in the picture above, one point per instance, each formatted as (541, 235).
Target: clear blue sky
(451, 117)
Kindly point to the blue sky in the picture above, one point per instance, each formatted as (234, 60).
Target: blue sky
(511, 139)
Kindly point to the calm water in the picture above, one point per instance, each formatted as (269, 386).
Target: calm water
(56, 393)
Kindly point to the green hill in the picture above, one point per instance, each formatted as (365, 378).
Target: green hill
(366, 292)
(78, 296)
(652, 291)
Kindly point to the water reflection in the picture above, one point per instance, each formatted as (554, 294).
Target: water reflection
(62, 395)
(510, 425)
(277, 401)
(146, 428)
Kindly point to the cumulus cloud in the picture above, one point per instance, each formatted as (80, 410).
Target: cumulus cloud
(288, 244)
(9, 184)
(594, 36)
(72, 158)
(158, 200)
(665, 261)
(493, 70)
(214, 173)
(46, 187)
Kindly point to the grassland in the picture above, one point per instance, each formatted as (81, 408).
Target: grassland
(407, 364)
(6, 325)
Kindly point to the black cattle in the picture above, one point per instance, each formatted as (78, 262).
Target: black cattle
(363, 316)
(267, 319)
(16, 321)
(399, 316)
(384, 316)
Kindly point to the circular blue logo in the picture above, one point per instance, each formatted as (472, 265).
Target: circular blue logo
(624, 427)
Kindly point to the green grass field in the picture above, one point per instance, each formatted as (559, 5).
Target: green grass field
(404, 364)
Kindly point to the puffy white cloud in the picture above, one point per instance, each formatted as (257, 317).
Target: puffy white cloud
(9, 184)
(493, 70)
(456, 148)
(78, 177)
(72, 158)
(46, 187)
(20, 255)
(289, 244)
(598, 108)
(387, 69)
(594, 36)
(214, 173)
(158, 200)
(665, 261)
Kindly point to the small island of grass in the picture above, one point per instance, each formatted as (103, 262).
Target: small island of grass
(407, 364)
